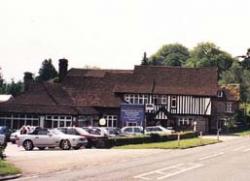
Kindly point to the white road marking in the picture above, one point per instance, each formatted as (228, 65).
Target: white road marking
(180, 171)
(159, 171)
(239, 148)
(211, 156)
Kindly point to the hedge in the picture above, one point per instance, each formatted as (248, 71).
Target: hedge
(119, 141)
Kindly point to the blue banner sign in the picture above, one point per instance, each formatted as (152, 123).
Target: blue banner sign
(132, 113)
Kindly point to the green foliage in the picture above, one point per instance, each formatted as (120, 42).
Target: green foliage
(13, 88)
(8, 169)
(119, 141)
(241, 75)
(47, 71)
(186, 143)
(171, 55)
(209, 55)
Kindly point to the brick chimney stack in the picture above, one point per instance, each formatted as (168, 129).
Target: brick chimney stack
(63, 68)
(28, 79)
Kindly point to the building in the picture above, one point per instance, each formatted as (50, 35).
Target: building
(226, 105)
(173, 97)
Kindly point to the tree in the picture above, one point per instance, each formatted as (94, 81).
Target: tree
(47, 71)
(14, 88)
(246, 60)
(171, 55)
(240, 75)
(209, 55)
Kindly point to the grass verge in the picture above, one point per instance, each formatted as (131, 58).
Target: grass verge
(242, 133)
(186, 143)
(8, 169)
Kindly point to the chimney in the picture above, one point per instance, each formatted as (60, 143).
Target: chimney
(63, 68)
(27, 79)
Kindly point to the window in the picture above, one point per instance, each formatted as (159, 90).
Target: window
(220, 94)
(43, 132)
(136, 98)
(173, 102)
(164, 100)
(128, 130)
(229, 107)
(137, 130)
(111, 120)
(184, 121)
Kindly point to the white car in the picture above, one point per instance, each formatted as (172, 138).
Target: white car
(43, 138)
(132, 130)
(2, 139)
(158, 130)
(14, 136)
(17, 133)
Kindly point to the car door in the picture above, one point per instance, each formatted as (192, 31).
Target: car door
(44, 138)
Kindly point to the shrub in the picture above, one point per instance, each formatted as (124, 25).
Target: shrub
(119, 141)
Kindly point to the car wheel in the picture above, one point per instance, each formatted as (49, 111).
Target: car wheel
(76, 147)
(13, 141)
(65, 145)
(41, 148)
(28, 145)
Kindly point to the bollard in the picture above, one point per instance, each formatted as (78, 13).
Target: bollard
(200, 137)
(179, 137)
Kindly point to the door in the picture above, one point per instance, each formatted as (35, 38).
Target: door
(44, 138)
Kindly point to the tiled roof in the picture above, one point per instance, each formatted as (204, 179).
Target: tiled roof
(231, 91)
(171, 80)
(84, 90)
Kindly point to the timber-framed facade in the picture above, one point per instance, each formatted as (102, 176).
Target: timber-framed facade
(173, 97)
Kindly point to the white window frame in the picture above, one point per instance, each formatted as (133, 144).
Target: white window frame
(164, 99)
(113, 119)
(173, 98)
(184, 121)
(229, 107)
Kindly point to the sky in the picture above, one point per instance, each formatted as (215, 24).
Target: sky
(113, 33)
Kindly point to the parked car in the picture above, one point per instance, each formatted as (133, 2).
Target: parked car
(3, 141)
(132, 130)
(6, 131)
(103, 131)
(14, 136)
(22, 130)
(94, 138)
(43, 138)
(158, 130)
(4, 136)
(112, 132)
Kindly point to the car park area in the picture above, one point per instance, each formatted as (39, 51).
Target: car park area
(51, 160)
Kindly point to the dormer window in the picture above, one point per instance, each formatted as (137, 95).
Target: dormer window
(220, 94)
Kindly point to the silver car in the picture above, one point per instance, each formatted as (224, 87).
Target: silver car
(43, 138)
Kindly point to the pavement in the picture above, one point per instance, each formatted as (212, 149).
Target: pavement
(228, 160)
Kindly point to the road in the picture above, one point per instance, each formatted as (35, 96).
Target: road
(227, 161)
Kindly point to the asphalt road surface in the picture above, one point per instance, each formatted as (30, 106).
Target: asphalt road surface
(227, 161)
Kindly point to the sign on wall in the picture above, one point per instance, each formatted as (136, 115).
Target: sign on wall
(132, 114)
